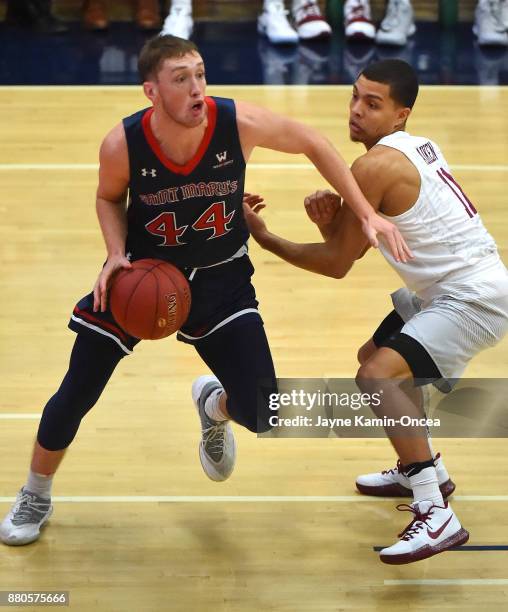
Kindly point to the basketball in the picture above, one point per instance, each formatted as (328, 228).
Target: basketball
(151, 300)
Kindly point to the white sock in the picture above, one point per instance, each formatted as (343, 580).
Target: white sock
(442, 469)
(426, 487)
(39, 484)
(212, 406)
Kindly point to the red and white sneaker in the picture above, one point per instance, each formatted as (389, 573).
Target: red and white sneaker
(433, 530)
(394, 483)
(273, 23)
(358, 23)
(309, 22)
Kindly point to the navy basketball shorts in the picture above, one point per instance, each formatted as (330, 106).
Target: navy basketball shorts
(226, 329)
(221, 295)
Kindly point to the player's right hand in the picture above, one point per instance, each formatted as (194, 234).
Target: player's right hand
(100, 290)
(390, 233)
(322, 206)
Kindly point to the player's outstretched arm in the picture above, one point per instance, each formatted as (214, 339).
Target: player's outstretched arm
(111, 209)
(333, 258)
(345, 241)
(260, 127)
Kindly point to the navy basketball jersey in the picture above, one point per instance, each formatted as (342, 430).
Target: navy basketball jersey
(188, 215)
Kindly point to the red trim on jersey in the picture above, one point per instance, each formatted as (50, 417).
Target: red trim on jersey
(194, 161)
(450, 177)
(100, 323)
(448, 180)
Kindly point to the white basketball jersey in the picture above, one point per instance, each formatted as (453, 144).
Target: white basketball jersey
(443, 229)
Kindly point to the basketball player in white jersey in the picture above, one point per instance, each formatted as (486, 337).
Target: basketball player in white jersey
(454, 304)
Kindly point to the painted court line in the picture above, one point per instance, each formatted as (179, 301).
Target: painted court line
(216, 89)
(8, 167)
(18, 415)
(175, 499)
(449, 582)
(252, 166)
(207, 499)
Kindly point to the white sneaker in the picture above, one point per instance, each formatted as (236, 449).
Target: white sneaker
(178, 22)
(394, 483)
(309, 22)
(273, 23)
(397, 25)
(23, 523)
(358, 23)
(433, 530)
(488, 23)
(217, 448)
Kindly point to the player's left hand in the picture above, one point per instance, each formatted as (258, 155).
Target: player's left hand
(375, 225)
(322, 206)
(252, 205)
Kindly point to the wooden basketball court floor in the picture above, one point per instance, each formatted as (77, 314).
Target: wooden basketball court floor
(137, 525)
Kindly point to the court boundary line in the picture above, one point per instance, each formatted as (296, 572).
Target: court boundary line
(19, 415)
(448, 582)
(178, 499)
(245, 87)
(250, 166)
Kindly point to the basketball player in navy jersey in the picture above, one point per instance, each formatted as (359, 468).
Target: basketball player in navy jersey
(182, 163)
(454, 305)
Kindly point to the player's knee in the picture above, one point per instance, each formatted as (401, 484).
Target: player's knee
(56, 439)
(53, 440)
(360, 355)
(60, 421)
(366, 351)
(368, 376)
(63, 413)
(92, 362)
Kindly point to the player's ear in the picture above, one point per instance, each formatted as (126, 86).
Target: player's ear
(150, 90)
(402, 115)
